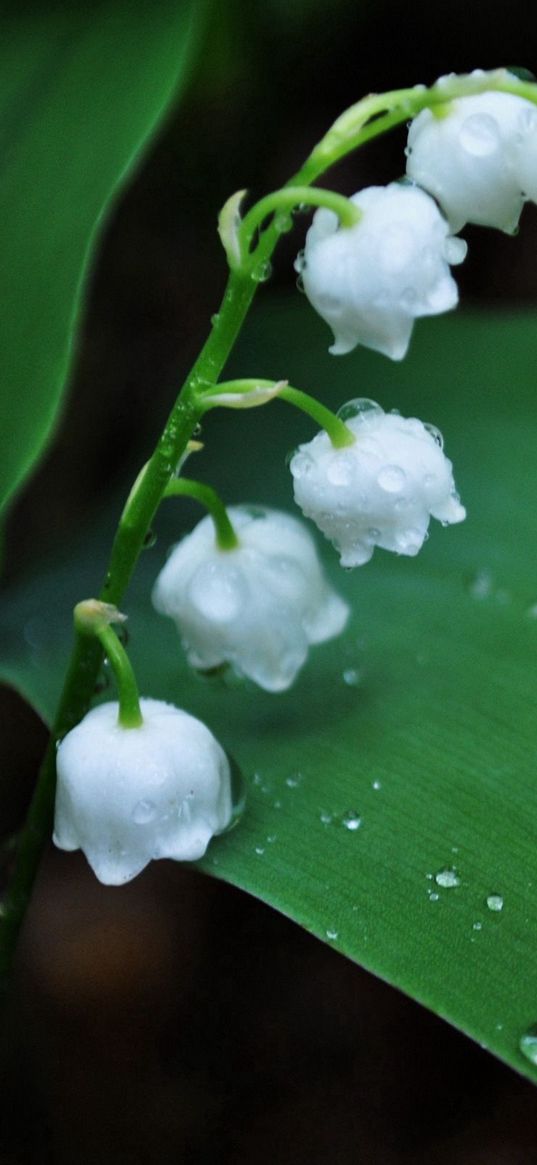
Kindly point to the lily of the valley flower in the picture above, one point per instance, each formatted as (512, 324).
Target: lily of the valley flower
(380, 491)
(128, 795)
(257, 606)
(371, 281)
(479, 159)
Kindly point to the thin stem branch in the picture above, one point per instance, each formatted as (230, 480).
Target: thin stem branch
(184, 487)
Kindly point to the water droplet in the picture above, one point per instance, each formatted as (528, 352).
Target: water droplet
(376, 785)
(447, 879)
(301, 464)
(332, 935)
(435, 434)
(326, 818)
(351, 677)
(300, 261)
(433, 896)
(149, 540)
(495, 902)
(479, 135)
(340, 470)
(528, 1044)
(480, 585)
(218, 592)
(259, 849)
(362, 407)
(272, 837)
(351, 820)
(263, 272)
(283, 223)
(455, 250)
(373, 533)
(294, 780)
(144, 812)
(391, 478)
(477, 926)
(299, 284)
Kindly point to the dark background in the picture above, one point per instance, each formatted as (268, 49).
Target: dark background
(176, 1020)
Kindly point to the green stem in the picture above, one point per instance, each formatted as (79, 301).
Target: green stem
(339, 433)
(184, 487)
(288, 198)
(129, 715)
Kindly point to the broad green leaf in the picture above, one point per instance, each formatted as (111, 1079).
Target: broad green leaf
(421, 720)
(81, 90)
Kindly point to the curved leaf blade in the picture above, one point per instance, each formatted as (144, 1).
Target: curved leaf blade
(81, 92)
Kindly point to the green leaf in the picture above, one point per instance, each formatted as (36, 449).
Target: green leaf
(421, 720)
(82, 88)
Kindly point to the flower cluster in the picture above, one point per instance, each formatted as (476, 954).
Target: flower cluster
(246, 587)
(477, 157)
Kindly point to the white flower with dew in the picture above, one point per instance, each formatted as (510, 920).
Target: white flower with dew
(126, 796)
(258, 606)
(371, 281)
(380, 491)
(479, 159)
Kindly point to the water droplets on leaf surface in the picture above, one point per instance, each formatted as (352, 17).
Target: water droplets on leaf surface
(149, 540)
(495, 902)
(351, 820)
(447, 879)
(332, 935)
(528, 1044)
(351, 677)
(294, 780)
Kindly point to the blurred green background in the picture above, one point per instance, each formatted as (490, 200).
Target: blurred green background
(180, 1020)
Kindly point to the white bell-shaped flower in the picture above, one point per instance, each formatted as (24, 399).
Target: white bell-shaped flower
(371, 281)
(473, 158)
(128, 795)
(258, 606)
(380, 491)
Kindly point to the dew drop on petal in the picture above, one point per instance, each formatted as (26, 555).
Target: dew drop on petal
(455, 250)
(480, 135)
(144, 812)
(391, 478)
(360, 406)
(435, 434)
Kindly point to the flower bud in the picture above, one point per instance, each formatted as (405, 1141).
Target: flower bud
(371, 281)
(128, 795)
(381, 490)
(472, 158)
(258, 606)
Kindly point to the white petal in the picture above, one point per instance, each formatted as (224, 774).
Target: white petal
(258, 606)
(467, 159)
(380, 491)
(369, 282)
(125, 796)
